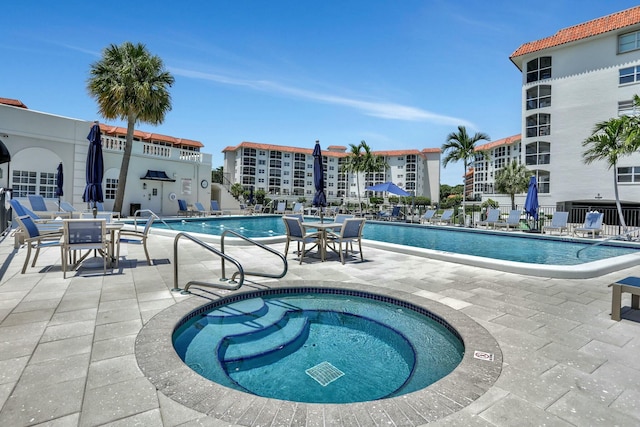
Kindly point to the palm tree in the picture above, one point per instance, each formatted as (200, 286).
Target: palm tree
(354, 165)
(609, 141)
(513, 179)
(130, 84)
(372, 163)
(460, 146)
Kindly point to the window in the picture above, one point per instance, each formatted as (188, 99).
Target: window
(629, 75)
(262, 162)
(539, 97)
(249, 152)
(627, 108)
(628, 42)
(110, 188)
(543, 181)
(539, 69)
(538, 125)
(538, 153)
(248, 180)
(629, 174)
(31, 182)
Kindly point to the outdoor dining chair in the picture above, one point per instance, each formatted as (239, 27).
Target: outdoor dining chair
(136, 237)
(83, 234)
(350, 232)
(296, 233)
(35, 240)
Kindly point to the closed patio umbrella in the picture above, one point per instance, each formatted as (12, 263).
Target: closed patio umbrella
(319, 198)
(59, 182)
(94, 168)
(531, 202)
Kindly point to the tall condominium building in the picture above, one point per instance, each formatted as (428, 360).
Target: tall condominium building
(572, 80)
(287, 172)
(492, 157)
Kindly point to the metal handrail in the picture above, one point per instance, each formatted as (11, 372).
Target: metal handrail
(152, 213)
(260, 245)
(232, 283)
(608, 239)
(210, 248)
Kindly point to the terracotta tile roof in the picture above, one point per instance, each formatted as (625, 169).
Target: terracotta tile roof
(504, 141)
(602, 25)
(148, 137)
(12, 102)
(327, 153)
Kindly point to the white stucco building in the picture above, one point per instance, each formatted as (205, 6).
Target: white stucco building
(570, 81)
(287, 172)
(162, 168)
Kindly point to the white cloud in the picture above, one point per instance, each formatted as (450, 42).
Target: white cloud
(386, 110)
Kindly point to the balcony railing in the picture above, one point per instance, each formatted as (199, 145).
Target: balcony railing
(147, 149)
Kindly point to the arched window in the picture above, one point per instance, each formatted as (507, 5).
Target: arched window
(538, 125)
(539, 69)
(539, 97)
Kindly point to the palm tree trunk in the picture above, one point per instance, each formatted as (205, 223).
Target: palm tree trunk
(618, 205)
(124, 167)
(358, 190)
(464, 191)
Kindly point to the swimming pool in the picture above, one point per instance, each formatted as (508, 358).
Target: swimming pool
(333, 346)
(549, 256)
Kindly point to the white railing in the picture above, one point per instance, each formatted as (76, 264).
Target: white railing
(110, 143)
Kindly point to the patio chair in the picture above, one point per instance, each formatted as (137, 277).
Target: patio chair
(183, 209)
(67, 207)
(38, 204)
(257, 208)
(512, 222)
(295, 233)
(558, 222)
(298, 208)
(215, 208)
(83, 234)
(36, 240)
(136, 237)
(281, 208)
(394, 215)
(446, 217)
(200, 210)
(592, 224)
(428, 216)
(43, 224)
(493, 216)
(350, 232)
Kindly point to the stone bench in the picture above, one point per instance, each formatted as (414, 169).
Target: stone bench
(628, 284)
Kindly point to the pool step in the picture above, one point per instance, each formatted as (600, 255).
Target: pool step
(238, 312)
(276, 341)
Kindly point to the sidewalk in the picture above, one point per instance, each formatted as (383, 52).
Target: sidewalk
(67, 354)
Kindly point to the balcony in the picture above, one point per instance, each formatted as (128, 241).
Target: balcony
(145, 149)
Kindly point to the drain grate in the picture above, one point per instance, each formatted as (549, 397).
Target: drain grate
(324, 373)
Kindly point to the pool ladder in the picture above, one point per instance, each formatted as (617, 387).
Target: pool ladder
(627, 235)
(240, 273)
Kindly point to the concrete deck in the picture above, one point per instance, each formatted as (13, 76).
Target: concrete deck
(68, 347)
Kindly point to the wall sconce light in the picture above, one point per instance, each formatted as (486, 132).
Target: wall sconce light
(598, 196)
(144, 185)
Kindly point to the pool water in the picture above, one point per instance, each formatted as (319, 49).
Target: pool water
(513, 247)
(319, 347)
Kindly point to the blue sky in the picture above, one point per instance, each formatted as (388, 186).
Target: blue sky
(397, 74)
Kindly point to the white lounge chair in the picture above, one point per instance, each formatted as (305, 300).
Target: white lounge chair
(428, 216)
(513, 221)
(446, 217)
(592, 224)
(493, 216)
(558, 222)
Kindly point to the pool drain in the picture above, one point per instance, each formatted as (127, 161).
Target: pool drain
(324, 373)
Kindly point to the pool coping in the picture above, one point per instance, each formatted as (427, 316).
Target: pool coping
(471, 379)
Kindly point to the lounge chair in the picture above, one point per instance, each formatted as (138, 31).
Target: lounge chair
(558, 222)
(513, 221)
(428, 216)
(446, 217)
(296, 233)
(281, 208)
(183, 209)
(298, 208)
(493, 216)
(257, 209)
(44, 225)
(39, 205)
(592, 224)
(394, 215)
(215, 208)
